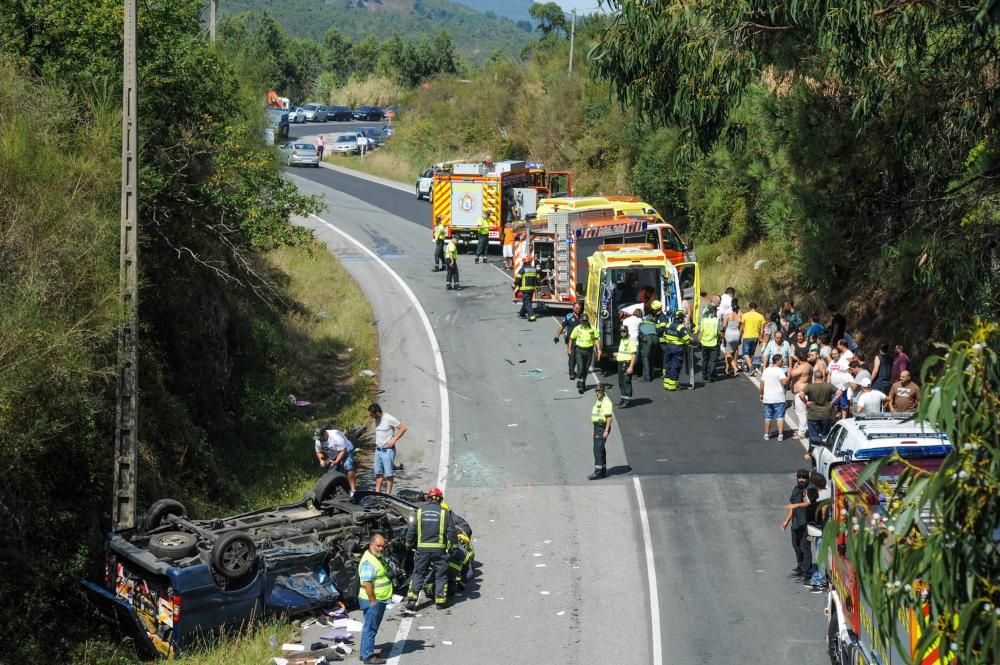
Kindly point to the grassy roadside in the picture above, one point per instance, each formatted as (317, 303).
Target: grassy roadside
(384, 163)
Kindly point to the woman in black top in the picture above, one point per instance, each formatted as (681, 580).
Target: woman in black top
(882, 369)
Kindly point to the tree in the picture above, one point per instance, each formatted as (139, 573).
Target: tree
(337, 56)
(551, 18)
(954, 567)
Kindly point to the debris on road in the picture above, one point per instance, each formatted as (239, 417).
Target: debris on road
(366, 372)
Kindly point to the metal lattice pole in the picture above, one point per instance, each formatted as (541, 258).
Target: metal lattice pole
(127, 416)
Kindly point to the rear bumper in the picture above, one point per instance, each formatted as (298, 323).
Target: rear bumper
(294, 160)
(124, 619)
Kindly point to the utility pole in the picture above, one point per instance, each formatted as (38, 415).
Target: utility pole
(127, 416)
(572, 36)
(213, 5)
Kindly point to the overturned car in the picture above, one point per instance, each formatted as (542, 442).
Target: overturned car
(175, 580)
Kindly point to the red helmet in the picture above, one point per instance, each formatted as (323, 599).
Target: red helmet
(435, 494)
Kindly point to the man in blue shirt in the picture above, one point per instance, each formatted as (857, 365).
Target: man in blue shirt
(816, 328)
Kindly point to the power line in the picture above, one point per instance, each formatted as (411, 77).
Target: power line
(36, 22)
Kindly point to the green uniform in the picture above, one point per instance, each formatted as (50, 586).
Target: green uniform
(599, 414)
(628, 348)
(451, 263)
(709, 346)
(583, 337)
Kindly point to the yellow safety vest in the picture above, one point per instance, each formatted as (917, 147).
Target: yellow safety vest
(382, 583)
(709, 331)
(451, 250)
(584, 336)
(484, 226)
(440, 231)
(626, 349)
(602, 409)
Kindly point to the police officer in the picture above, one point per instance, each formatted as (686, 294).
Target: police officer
(581, 343)
(451, 263)
(673, 340)
(600, 417)
(526, 282)
(440, 233)
(625, 357)
(649, 339)
(709, 343)
(432, 532)
(566, 324)
(483, 244)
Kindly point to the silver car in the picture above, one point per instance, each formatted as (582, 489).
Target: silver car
(345, 144)
(315, 113)
(299, 153)
(297, 115)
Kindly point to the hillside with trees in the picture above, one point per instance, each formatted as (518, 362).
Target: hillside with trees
(476, 35)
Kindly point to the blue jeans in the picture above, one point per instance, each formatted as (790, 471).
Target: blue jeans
(819, 569)
(774, 411)
(384, 461)
(373, 617)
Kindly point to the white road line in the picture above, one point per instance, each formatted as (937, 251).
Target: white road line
(654, 596)
(442, 478)
(502, 272)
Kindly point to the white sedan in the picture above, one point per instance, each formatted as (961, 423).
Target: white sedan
(345, 144)
(297, 115)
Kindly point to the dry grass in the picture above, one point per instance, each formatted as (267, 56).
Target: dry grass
(377, 91)
(385, 162)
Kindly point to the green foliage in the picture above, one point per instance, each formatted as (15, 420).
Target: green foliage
(956, 559)
(475, 35)
(846, 133)
(550, 17)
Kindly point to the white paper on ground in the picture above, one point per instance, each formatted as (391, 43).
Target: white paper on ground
(396, 598)
(279, 661)
(353, 626)
(293, 647)
(340, 623)
(447, 643)
(426, 628)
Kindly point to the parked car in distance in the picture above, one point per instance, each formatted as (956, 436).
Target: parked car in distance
(868, 438)
(345, 144)
(374, 136)
(315, 113)
(296, 115)
(339, 113)
(387, 131)
(425, 182)
(369, 113)
(295, 154)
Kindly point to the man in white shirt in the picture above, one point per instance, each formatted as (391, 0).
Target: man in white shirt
(726, 302)
(335, 452)
(772, 395)
(632, 323)
(869, 402)
(388, 431)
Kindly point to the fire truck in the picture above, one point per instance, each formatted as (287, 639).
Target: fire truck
(468, 191)
(852, 635)
(561, 238)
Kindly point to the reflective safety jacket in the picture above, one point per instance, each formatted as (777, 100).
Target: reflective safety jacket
(382, 583)
(709, 331)
(440, 231)
(602, 409)
(675, 334)
(451, 251)
(584, 336)
(661, 322)
(433, 528)
(626, 349)
(484, 226)
(528, 279)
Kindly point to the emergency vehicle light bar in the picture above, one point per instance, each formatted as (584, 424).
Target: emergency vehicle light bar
(896, 435)
(624, 247)
(906, 452)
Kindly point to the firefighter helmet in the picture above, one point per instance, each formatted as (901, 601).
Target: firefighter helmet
(680, 314)
(435, 494)
(655, 305)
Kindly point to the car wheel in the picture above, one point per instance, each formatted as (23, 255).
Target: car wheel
(172, 545)
(159, 511)
(234, 555)
(332, 484)
(419, 195)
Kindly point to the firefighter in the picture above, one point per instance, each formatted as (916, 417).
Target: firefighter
(440, 233)
(526, 282)
(625, 357)
(649, 339)
(432, 532)
(483, 244)
(451, 263)
(581, 342)
(600, 418)
(673, 341)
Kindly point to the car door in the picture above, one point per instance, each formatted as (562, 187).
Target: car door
(826, 455)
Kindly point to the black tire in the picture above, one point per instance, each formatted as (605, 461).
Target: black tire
(172, 545)
(419, 195)
(330, 485)
(234, 555)
(159, 511)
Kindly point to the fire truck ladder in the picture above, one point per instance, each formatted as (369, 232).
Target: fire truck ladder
(562, 254)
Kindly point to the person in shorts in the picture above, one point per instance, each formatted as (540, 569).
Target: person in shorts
(335, 452)
(772, 395)
(388, 431)
(508, 247)
(751, 328)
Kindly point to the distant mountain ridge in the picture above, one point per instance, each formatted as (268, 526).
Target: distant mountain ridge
(515, 10)
(474, 33)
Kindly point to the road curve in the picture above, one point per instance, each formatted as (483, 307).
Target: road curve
(564, 577)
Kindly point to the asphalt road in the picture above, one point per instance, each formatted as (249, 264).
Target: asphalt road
(563, 576)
